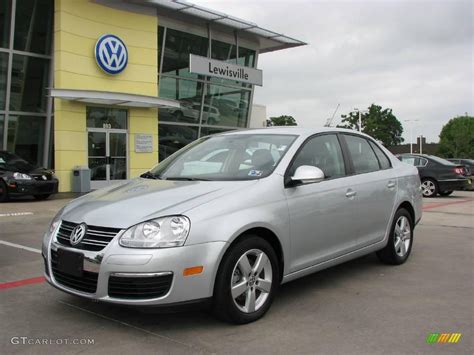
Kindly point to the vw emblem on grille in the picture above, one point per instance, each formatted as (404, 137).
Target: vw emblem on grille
(111, 54)
(78, 233)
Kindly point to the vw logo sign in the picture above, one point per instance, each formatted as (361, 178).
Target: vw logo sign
(111, 54)
(78, 233)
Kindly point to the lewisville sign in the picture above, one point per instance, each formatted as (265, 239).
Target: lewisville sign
(224, 70)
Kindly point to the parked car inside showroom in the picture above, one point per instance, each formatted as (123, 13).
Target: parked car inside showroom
(18, 177)
(438, 175)
(233, 231)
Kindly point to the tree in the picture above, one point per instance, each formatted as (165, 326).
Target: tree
(456, 139)
(379, 123)
(283, 120)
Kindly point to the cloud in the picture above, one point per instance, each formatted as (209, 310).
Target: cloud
(415, 57)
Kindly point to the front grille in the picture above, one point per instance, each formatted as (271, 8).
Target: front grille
(96, 238)
(139, 287)
(86, 283)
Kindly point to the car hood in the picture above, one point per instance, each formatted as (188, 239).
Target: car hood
(142, 199)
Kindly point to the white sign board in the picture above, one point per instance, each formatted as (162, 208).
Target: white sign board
(224, 70)
(143, 143)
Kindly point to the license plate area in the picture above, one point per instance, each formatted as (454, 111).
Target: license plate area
(70, 262)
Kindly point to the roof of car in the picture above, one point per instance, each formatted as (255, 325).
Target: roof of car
(300, 131)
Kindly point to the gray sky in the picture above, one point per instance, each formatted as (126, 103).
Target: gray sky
(415, 57)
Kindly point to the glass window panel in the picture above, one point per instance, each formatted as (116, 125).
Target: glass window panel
(104, 117)
(246, 57)
(226, 52)
(33, 26)
(3, 78)
(383, 160)
(29, 82)
(225, 106)
(363, 157)
(118, 144)
(97, 142)
(26, 137)
(118, 168)
(174, 137)
(98, 168)
(178, 46)
(188, 93)
(5, 15)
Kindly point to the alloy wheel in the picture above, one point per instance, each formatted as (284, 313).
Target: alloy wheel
(428, 188)
(251, 281)
(402, 237)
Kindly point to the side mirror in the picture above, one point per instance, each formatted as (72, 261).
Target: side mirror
(307, 174)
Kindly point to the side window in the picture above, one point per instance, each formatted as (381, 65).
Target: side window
(363, 157)
(408, 160)
(323, 152)
(383, 160)
(421, 162)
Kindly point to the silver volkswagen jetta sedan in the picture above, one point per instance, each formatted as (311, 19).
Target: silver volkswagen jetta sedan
(232, 216)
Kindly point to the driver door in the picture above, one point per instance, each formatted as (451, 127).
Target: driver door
(321, 213)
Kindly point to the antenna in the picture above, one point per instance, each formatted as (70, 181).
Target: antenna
(329, 120)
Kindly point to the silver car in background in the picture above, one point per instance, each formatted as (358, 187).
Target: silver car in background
(229, 218)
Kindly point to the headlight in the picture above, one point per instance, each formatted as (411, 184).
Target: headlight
(55, 222)
(20, 176)
(163, 232)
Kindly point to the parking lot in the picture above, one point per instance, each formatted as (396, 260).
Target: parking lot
(361, 307)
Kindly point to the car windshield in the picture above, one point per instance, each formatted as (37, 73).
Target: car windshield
(12, 161)
(225, 157)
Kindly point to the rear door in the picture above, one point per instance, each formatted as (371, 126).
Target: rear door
(375, 184)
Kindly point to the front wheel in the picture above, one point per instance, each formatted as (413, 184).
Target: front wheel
(247, 281)
(445, 193)
(400, 241)
(3, 191)
(429, 188)
(41, 197)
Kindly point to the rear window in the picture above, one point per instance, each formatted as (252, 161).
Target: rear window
(441, 160)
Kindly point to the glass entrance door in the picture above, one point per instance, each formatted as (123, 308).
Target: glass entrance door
(107, 149)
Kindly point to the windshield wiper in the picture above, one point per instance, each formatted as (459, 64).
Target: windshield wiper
(180, 178)
(150, 175)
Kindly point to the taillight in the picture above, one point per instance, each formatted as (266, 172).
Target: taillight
(459, 171)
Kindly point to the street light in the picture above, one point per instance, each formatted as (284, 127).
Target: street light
(360, 117)
(411, 134)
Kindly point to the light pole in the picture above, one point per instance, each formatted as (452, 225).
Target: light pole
(421, 144)
(411, 134)
(360, 117)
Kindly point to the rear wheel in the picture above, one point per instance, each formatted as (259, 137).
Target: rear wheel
(41, 197)
(247, 281)
(400, 242)
(3, 191)
(445, 193)
(429, 188)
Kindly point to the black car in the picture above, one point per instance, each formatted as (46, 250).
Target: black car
(469, 166)
(438, 176)
(19, 178)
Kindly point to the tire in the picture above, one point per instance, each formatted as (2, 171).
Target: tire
(236, 266)
(3, 191)
(400, 241)
(445, 193)
(41, 197)
(429, 187)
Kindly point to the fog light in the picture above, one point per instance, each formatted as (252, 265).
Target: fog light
(193, 270)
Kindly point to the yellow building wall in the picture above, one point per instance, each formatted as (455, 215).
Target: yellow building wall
(78, 24)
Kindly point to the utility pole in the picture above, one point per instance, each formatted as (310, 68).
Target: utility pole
(360, 117)
(411, 134)
(421, 144)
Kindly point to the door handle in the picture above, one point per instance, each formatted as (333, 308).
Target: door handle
(391, 184)
(351, 193)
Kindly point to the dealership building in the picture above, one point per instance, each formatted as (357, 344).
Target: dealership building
(119, 85)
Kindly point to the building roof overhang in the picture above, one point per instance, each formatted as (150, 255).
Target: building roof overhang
(113, 98)
(268, 40)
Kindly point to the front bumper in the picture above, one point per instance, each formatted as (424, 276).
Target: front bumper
(115, 261)
(32, 187)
